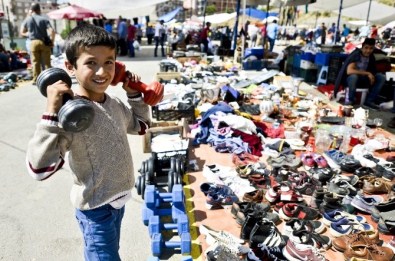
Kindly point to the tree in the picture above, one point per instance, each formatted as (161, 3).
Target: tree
(211, 9)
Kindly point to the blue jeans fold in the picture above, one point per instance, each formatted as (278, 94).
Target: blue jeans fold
(101, 229)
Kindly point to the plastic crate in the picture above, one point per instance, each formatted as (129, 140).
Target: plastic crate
(297, 59)
(308, 57)
(253, 65)
(322, 59)
(309, 75)
(172, 115)
(257, 52)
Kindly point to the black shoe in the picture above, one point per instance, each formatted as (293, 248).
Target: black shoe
(391, 124)
(371, 105)
(266, 233)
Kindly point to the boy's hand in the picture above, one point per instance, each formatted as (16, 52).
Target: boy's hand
(131, 78)
(55, 96)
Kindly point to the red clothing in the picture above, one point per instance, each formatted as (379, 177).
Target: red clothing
(131, 33)
(205, 32)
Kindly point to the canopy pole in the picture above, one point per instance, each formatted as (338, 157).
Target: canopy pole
(338, 20)
(204, 13)
(236, 26)
(267, 15)
(367, 18)
(243, 39)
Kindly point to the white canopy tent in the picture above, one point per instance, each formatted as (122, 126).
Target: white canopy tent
(126, 9)
(379, 13)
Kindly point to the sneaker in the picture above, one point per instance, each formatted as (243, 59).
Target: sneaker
(345, 227)
(258, 212)
(254, 196)
(264, 253)
(365, 237)
(366, 203)
(295, 252)
(322, 174)
(223, 237)
(334, 202)
(307, 225)
(337, 215)
(377, 186)
(307, 186)
(382, 207)
(282, 193)
(293, 210)
(220, 200)
(218, 251)
(341, 187)
(265, 233)
(209, 188)
(369, 252)
(310, 238)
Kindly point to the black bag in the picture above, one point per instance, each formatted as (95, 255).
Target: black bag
(47, 41)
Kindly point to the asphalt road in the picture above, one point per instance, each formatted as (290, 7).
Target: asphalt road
(37, 219)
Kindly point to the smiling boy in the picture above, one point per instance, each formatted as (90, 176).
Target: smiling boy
(99, 157)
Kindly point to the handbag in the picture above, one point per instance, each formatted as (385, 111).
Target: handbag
(46, 40)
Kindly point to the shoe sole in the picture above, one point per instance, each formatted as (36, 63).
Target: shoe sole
(282, 215)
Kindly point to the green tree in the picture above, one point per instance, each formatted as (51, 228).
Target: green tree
(211, 9)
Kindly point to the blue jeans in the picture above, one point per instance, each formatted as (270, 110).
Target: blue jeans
(361, 81)
(271, 43)
(131, 48)
(101, 228)
(159, 41)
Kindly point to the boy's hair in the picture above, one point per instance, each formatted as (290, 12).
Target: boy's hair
(36, 8)
(369, 41)
(86, 35)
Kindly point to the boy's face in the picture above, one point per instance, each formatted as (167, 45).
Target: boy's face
(94, 71)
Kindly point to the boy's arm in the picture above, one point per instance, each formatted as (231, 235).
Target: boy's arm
(46, 150)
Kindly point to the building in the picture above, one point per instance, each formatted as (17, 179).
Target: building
(222, 6)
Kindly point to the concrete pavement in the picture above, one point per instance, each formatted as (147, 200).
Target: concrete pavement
(37, 219)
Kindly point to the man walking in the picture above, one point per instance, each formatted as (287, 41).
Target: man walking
(36, 28)
(272, 31)
(160, 35)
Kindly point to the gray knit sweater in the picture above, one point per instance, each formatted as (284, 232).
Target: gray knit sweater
(99, 157)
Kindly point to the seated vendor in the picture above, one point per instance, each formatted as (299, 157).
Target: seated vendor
(359, 71)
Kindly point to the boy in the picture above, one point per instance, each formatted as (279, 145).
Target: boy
(99, 156)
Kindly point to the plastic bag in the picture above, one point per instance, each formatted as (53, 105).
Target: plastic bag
(136, 45)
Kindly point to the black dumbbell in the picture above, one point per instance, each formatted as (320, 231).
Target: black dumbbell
(76, 114)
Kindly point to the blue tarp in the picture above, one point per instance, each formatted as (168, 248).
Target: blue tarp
(258, 14)
(169, 16)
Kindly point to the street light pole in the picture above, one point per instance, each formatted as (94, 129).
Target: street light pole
(367, 18)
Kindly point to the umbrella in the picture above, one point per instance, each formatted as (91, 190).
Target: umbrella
(73, 12)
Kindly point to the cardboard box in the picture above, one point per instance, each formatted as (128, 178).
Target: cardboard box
(167, 76)
(164, 127)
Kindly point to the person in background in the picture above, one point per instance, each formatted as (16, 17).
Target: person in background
(131, 37)
(122, 35)
(36, 27)
(323, 33)
(139, 33)
(374, 32)
(272, 31)
(100, 159)
(108, 26)
(359, 71)
(205, 37)
(253, 33)
(345, 33)
(174, 40)
(149, 32)
(8, 60)
(160, 36)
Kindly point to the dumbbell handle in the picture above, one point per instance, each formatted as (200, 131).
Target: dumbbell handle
(153, 93)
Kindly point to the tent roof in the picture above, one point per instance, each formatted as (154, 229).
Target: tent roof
(257, 14)
(379, 13)
(169, 16)
(332, 5)
(126, 9)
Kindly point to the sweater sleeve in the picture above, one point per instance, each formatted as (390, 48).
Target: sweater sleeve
(46, 149)
(140, 119)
